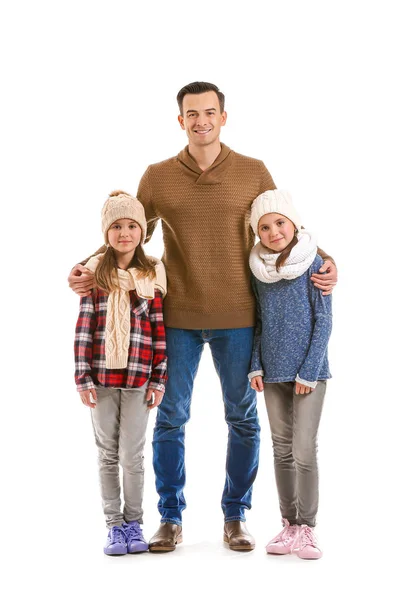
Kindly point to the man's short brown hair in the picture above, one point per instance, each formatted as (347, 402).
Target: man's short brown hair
(199, 87)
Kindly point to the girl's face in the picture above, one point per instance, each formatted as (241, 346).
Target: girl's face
(275, 231)
(124, 236)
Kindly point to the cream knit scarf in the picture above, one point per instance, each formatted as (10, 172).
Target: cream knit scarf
(263, 262)
(117, 325)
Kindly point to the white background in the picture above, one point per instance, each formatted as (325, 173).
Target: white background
(88, 101)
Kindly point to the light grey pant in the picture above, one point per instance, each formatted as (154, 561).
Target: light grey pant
(294, 422)
(120, 422)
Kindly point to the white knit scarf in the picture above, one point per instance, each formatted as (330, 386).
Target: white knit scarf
(263, 262)
(117, 325)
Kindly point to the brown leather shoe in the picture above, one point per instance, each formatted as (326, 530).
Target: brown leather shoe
(237, 536)
(166, 538)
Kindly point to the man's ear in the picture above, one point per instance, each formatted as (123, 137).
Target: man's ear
(181, 121)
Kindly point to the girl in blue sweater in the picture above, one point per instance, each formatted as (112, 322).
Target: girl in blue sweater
(289, 361)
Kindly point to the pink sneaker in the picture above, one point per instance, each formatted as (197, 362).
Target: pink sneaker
(307, 542)
(285, 541)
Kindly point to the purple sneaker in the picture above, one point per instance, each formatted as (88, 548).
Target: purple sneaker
(134, 537)
(116, 542)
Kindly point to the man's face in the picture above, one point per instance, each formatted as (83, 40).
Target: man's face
(201, 118)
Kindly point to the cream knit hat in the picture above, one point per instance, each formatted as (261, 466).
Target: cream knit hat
(274, 201)
(121, 205)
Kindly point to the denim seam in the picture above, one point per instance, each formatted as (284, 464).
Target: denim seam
(228, 519)
(172, 521)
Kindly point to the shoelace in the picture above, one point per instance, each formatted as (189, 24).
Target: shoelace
(285, 536)
(117, 535)
(308, 538)
(133, 532)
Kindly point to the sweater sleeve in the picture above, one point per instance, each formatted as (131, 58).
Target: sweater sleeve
(145, 197)
(159, 360)
(256, 363)
(324, 255)
(85, 328)
(322, 312)
(266, 180)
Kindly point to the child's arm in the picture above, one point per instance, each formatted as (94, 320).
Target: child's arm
(85, 328)
(256, 368)
(322, 312)
(159, 360)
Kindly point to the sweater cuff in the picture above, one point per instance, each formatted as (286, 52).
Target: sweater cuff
(255, 374)
(311, 384)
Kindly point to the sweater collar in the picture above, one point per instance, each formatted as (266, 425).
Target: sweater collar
(214, 174)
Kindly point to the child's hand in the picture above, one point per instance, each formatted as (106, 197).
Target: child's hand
(158, 396)
(302, 389)
(85, 397)
(257, 383)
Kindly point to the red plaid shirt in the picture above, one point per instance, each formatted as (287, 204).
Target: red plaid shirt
(147, 350)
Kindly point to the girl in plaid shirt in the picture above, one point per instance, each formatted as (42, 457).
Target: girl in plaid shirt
(120, 358)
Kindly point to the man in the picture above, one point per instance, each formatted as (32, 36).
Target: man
(203, 198)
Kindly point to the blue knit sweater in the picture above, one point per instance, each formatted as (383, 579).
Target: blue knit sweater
(293, 327)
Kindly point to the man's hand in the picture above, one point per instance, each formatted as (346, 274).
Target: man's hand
(302, 389)
(158, 396)
(257, 383)
(81, 280)
(85, 397)
(328, 278)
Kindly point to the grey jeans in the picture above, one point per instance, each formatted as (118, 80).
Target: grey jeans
(120, 422)
(294, 422)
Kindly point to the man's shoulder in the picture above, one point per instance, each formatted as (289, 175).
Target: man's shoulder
(249, 160)
(163, 164)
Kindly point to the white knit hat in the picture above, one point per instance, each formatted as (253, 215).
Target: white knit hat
(274, 201)
(120, 205)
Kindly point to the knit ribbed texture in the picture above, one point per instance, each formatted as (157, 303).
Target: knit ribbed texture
(122, 206)
(207, 236)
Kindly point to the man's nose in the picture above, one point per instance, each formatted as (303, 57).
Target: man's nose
(202, 119)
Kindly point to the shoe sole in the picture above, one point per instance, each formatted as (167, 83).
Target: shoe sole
(179, 540)
(246, 548)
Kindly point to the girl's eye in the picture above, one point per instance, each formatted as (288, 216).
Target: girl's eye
(280, 223)
(132, 226)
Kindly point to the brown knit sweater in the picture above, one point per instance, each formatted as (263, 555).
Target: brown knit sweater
(207, 236)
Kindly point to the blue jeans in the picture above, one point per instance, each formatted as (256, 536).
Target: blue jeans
(231, 352)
